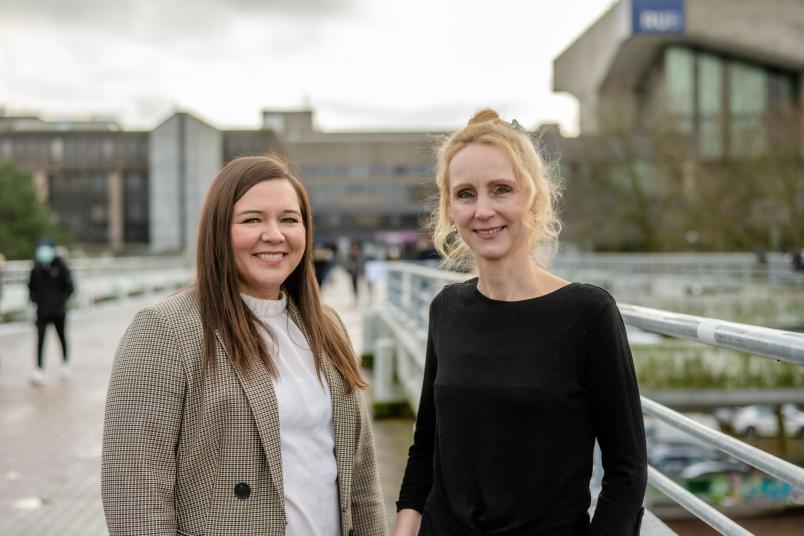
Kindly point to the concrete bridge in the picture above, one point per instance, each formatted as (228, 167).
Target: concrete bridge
(50, 458)
(50, 461)
(395, 331)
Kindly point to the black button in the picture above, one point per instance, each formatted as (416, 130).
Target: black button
(351, 532)
(242, 491)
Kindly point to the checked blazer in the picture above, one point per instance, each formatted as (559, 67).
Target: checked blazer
(189, 454)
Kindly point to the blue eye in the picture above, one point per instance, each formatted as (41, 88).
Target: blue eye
(465, 194)
(502, 190)
(290, 220)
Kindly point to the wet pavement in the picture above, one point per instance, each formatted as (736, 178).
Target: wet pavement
(51, 435)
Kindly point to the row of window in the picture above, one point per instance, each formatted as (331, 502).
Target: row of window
(80, 201)
(73, 149)
(366, 170)
(373, 195)
(723, 102)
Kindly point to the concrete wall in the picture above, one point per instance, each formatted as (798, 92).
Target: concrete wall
(605, 65)
(186, 154)
(772, 30)
(164, 190)
(203, 161)
(582, 67)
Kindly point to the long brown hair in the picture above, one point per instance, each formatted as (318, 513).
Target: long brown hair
(221, 307)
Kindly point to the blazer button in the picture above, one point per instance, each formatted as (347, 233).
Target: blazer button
(351, 532)
(242, 491)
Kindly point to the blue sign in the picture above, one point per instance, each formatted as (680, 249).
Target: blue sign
(658, 16)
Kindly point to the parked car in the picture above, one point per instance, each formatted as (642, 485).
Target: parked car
(673, 458)
(659, 432)
(761, 421)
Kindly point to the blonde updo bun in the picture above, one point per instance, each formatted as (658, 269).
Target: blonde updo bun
(486, 114)
(486, 127)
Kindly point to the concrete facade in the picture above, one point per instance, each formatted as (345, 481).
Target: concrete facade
(82, 170)
(185, 155)
(365, 184)
(612, 68)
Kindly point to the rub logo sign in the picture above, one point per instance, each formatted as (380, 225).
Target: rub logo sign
(653, 21)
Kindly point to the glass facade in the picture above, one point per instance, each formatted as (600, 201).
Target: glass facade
(135, 211)
(710, 102)
(80, 201)
(724, 103)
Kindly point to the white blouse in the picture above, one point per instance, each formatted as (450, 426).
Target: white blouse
(309, 469)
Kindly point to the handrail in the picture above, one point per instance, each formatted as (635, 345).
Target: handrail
(768, 463)
(766, 342)
(411, 287)
(693, 504)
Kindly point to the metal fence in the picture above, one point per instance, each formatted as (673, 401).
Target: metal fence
(397, 334)
(96, 280)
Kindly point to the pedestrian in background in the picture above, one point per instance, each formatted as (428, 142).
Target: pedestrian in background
(355, 264)
(50, 286)
(523, 371)
(235, 405)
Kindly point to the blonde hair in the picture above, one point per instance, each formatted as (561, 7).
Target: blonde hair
(543, 224)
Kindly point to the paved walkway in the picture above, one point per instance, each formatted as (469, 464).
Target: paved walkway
(51, 435)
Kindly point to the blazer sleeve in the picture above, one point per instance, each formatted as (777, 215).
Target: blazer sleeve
(144, 409)
(368, 507)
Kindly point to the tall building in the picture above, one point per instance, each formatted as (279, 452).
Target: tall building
(691, 118)
(362, 185)
(715, 70)
(93, 174)
(143, 191)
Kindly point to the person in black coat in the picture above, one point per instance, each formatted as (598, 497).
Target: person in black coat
(50, 286)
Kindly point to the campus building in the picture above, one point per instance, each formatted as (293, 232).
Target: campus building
(690, 114)
(143, 191)
(715, 70)
(93, 174)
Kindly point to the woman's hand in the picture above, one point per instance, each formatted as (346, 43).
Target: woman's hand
(408, 522)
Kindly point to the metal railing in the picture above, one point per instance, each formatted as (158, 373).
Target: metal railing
(98, 279)
(720, 268)
(397, 333)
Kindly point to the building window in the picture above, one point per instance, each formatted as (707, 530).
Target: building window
(748, 97)
(710, 105)
(725, 104)
(680, 67)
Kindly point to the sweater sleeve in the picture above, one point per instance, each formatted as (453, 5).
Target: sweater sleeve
(418, 478)
(617, 417)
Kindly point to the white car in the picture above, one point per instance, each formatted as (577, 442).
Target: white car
(760, 421)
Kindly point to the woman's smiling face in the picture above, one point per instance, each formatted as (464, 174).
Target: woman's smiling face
(268, 237)
(487, 203)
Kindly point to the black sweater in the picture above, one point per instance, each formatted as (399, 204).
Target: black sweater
(514, 395)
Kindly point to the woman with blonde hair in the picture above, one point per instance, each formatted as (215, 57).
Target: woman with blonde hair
(235, 405)
(524, 370)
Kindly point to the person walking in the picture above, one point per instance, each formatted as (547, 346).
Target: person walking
(523, 370)
(50, 285)
(355, 265)
(235, 406)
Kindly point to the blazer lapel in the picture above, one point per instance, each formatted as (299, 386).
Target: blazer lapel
(259, 389)
(344, 411)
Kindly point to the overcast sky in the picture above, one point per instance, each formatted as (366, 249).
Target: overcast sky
(360, 64)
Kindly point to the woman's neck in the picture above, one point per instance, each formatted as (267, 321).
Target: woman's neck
(513, 281)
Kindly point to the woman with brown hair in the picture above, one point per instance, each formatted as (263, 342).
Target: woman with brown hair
(234, 405)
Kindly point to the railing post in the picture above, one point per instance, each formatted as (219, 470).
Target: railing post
(383, 376)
